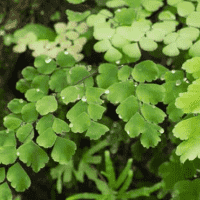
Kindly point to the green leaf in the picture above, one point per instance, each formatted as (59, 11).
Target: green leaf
(77, 16)
(183, 43)
(42, 138)
(185, 8)
(75, 1)
(192, 65)
(190, 33)
(193, 19)
(133, 3)
(78, 73)
(58, 80)
(81, 123)
(76, 110)
(118, 92)
(132, 50)
(96, 130)
(63, 150)
(108, 75)
(18, 177)
(72, 94)
(171, 50)
(115, 3)
(152, 5)
(127, 183)
(34, 95)
(150, 93)
(41, 82)
(16, 105)
(102, 46)
(11, 121)
(64, 59)
(119, 41)
(103, 31)
(7, 147)
(34, 156)
(29, 73)
(23, 85)
(95, 111)
(29, 113)
(46, 105)
(125, 16)
(152, 113)
(134, 32)
(148, 44)
(145, 71)
(128, 108)
(60, 126)
(189, 101)
(124, 73)
(44, 123)
(132, 130)
(5, 192)
(24, 132)
(93, 95)
(2, 174)
(112, 55)
(166, 15)
(151, 135)
(194, 50)
(44, 64)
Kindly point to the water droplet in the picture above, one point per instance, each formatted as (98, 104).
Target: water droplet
(38, 90)
(178, 82)
(153, 106)
(66, 52)
(173, 71)
(119, 10)
(128, 132)
(161, 130)
(62, 97)
(48, 60)
(136, 84)
(117, 62)
(107, 91)
(78, 97)
(18, 153)
(71, 125)
(162, 77)
(21, 101)
(84, 99)
(120, 116)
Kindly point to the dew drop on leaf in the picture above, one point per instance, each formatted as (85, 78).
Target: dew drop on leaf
(21, 101)
(38, 90)
(161, 130)
(120, 116)
(63, 97)
(66, 52)
(107, 91)
(128, 132)
(18, 153)
(173, 71)
(117, 62)
(136, 84)
(48, 60)
(84, 99)
(178, 82)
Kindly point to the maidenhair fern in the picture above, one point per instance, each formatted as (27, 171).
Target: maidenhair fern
(66, 100)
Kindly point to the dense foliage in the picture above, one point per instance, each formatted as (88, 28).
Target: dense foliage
(150, 73)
